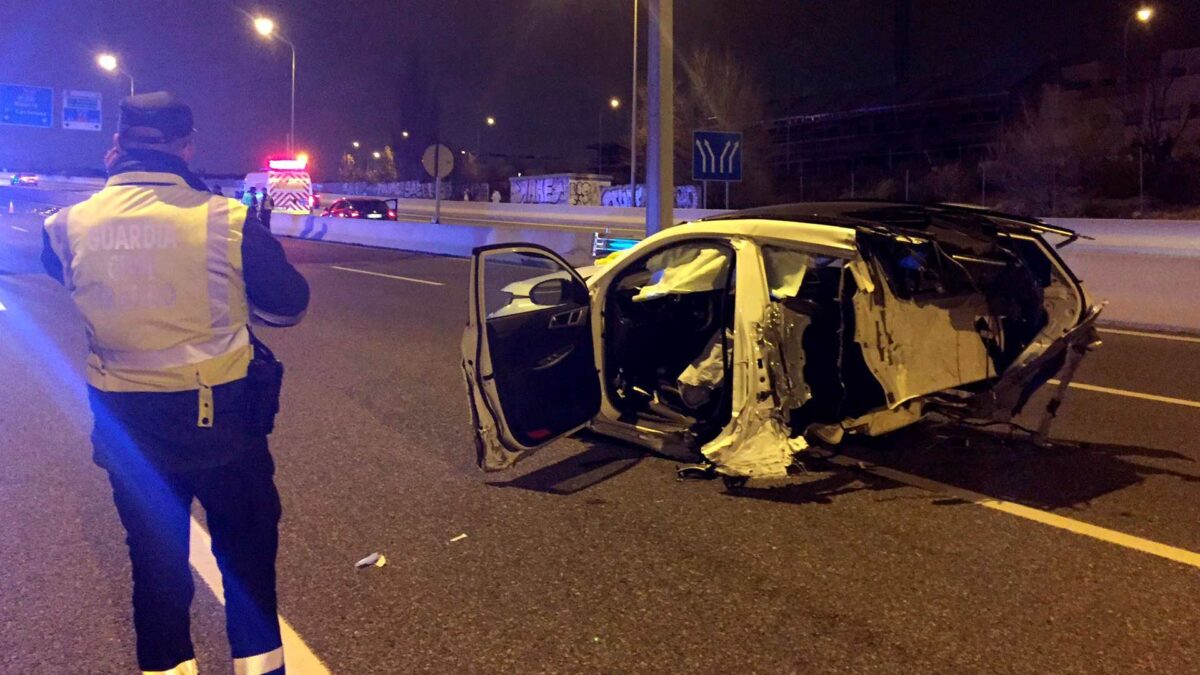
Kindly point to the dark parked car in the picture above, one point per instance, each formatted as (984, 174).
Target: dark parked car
(374, 209)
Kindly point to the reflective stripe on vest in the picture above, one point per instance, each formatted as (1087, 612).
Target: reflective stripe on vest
(155, 267)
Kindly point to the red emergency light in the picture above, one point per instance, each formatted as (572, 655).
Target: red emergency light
(298, 164)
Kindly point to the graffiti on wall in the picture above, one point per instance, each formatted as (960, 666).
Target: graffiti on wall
(572, 189)
(686, 196)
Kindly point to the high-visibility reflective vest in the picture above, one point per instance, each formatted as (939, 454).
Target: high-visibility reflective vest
(155, 267)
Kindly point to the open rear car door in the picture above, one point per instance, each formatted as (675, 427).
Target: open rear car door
(528, 352)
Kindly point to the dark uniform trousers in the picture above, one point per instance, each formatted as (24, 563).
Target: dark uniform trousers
(154, 497)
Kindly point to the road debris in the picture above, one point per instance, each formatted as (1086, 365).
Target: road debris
(459, 537)
(373, 560)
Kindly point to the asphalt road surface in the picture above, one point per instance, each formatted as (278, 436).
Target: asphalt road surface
(943, 551)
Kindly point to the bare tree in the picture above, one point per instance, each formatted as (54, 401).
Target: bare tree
(348, 170)
(1038, 162)
(720, 92)
(1160, 130)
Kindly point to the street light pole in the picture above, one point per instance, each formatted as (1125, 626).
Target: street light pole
(1143, 15)
(633, 114)
(600, 143)
(614, 103)
(266, 28)
(660, 80)
(292, 126)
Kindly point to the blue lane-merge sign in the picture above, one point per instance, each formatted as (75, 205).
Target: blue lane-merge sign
(716, 155)
(26, 106)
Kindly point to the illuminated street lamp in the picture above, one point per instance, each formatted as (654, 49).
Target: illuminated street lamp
(108, 61)
(404, 134)
(266, 28)
(356, 145)
(1144, 14)
(491, 121)
(377, 154)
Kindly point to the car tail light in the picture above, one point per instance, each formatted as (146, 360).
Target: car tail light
(354, 214)
(391, 214)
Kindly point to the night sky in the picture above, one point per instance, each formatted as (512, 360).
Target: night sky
(544, 68)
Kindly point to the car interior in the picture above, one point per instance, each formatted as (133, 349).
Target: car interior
(668, 338)
(815, 297)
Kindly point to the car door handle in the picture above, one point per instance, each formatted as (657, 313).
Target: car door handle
(573, 317)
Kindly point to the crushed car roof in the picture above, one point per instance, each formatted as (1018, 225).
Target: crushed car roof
(899, 217)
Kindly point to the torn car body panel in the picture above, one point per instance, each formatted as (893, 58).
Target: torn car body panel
(746, 337)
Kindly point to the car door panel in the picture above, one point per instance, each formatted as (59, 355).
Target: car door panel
(530, 368)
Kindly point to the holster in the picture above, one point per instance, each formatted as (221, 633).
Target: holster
(264, 383)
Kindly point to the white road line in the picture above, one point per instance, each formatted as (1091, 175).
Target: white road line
(3, 308)
(1146, 334)
(300, 659)
(19, 229)
(1179, 555)
(1131, 394)
(388, 276)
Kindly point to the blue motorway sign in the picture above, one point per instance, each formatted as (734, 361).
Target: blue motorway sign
(716, 155)
(26, 106)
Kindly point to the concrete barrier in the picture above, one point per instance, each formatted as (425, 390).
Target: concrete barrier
(574, 244)
(1180, 238)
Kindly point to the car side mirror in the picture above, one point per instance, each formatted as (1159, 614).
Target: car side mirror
(550, 292)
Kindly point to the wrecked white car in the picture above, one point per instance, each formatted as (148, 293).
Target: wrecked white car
(742, 340)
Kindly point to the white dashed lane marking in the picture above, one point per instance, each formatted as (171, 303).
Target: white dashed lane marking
(1147, 334)
(1129, 541)
(1131, 394)
(388, 276)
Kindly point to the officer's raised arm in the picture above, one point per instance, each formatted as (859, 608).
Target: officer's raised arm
(277, 292)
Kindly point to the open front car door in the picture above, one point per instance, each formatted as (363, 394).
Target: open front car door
(528, 352)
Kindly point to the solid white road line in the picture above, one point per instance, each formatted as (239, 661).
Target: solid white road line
(298, 656)
(1131, 394)
(3, 308)
(1146, 334)
(1104, 534)
(388, 276)
(19, 229)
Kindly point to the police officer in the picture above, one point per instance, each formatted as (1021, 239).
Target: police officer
(167, 277)
(265, 206)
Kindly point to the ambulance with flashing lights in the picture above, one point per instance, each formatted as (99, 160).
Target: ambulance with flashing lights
(288, 183)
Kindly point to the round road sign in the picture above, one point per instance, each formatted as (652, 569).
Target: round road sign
(445, 161)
